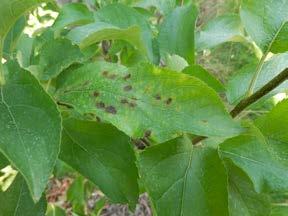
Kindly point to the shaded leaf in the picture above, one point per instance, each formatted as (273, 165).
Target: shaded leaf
(182, 180)
(102, 154)
(266, 28)
(16, 201)
(239, 83)
(219, 30)
(30, 128)
(130, 100)
(176, 34)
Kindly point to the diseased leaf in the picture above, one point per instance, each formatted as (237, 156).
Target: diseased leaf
(176, 34)
(239, 83)
(130, 100)
(266, 22)
(202, 74)
(89, 34)
(57, 55)
(184, 180)
(30, 128)
(102, 154)
(219, 30)
(125, 17)
(73, 14)
(16, 201)
(243, 200)
(254, 156)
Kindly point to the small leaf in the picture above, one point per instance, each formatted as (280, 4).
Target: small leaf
(57, 55)
(176, 34)
(130, 100)
(30, 127)
(92, 33)
(202, 74)
(164, 6)
(238, 84)
(263, 26)
(182, 180)
(219, 30)
(16, 201)
(73, 14)
(102, 154)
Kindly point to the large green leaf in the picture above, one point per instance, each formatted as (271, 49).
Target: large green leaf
(243, 200)
(125, 17)
(184, 180)
(89, 34)
(266, 22)
(73, 14)
(131, 99)
(274, 126)
(219, 30)
(30, 128)
(102, 154)
(176, 34)
(57, 55)
(16, 201)
(252, 154)
(239, 83)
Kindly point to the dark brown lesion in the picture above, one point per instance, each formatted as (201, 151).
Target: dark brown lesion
(105, 73)
(124, 101)
(127, 88)
(157, 97)
(128, 76)
(96, 94)
(132, 104)
(168, 101)
(111, 109)
(100, 105)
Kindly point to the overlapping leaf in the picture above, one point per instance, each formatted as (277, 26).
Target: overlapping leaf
(30, 128)
(131, 99)
(184, 180)
(102, 154)
(16, 201)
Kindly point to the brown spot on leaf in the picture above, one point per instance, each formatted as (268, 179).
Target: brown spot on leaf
(132, 104)
(147, 133)
(128, 76)
(96, 94)
(105, 73)
(205, 121)
(100, 105)
(127, 88)
(169, 101)
(157, 97)
(112, 76)
(124, 101)
(111, 109)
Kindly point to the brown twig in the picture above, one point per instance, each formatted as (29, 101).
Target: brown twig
(246, 102)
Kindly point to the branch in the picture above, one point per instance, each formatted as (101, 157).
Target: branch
(246, 102)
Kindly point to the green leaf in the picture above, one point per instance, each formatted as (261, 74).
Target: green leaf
(219, 30)
(16, 201)
(274, 127)
(176, 34)
(92, 33)
(130, 100)
(102, 154)
(73, 14)
(3, 161)
(57, 55)
(202, 74)
(24, 50)
(76, 195)
(30, 127)
(266, 23)
(54, 210)
(12, 37)
(175, 62)
(184, 180)
(254, 156)
(238, 84)
(164, 6)
(125, 17)
(243, 200)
